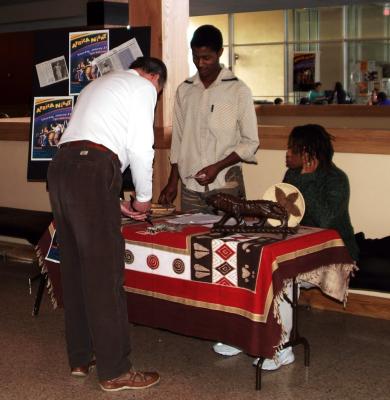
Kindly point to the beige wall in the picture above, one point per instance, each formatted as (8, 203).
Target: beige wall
(262, 69)
(329, 122)
(15, 190)
(369, 181)
(259, 27)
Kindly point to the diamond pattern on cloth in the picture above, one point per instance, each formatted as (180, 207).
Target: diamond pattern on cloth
(224, 267)
(224, 251)
(230, 260)
(224, 282)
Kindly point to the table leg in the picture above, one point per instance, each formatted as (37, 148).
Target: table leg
(295, 338)
(258, 372)
(42, 281)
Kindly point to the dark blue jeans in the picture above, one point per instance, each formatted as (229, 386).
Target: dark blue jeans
(84, 186)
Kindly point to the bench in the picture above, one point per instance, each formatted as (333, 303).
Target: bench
(369, 294)
(28, 225)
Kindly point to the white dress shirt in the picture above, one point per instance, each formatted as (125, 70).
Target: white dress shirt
(117, 111)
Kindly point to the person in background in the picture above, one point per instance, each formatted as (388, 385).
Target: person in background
(317, 96)
(373, 99)
(214, 129)
(304, 101)
(325, 189)
(278, 101)
(111, 127)
(339, 95)
(382, 99)
(324, 186)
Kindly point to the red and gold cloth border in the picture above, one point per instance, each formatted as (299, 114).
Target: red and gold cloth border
(279, 261)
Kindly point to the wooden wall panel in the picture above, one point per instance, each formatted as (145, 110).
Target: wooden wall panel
(16, 69)
(168, 20)
(357, 304)
(348, 140)
(365, 141)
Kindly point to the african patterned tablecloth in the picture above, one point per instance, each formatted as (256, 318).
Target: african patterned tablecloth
(220, 287)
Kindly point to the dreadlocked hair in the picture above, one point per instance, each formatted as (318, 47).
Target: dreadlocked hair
(314, 140)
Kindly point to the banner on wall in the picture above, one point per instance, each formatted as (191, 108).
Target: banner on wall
(304, 71)
(50, 118)
(84, 47)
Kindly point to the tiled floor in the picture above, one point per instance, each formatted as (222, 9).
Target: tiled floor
(350, 358)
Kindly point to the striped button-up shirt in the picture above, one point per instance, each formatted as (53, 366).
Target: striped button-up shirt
(209, 124)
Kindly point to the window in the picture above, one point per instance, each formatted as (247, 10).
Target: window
(351, 45)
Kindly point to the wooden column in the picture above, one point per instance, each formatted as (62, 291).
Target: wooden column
(168, 20)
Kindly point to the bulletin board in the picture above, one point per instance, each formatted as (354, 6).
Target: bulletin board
(52, 44)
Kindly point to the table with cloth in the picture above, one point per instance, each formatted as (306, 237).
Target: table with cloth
(215, 286)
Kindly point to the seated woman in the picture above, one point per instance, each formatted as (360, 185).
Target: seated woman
(324, 187)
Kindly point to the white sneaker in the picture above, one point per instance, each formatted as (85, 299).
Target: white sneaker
(283, 357)
(226, 350)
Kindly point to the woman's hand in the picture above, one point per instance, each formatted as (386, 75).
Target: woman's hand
(309, 165)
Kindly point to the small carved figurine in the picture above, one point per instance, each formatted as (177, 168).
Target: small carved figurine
(234, 207)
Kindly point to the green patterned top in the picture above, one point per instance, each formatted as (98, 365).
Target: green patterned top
(326, 193)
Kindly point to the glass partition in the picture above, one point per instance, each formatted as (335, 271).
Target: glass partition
(348, 44)
(258, 27)
(261, 67)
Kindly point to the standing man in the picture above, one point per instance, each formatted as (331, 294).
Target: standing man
(111, 127)
(214, 128)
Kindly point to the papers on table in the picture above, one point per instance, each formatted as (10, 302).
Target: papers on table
(197, 219)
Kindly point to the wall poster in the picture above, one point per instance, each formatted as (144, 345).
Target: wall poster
(84, 47)
(63, 65)
(50, 118)
(304, 71)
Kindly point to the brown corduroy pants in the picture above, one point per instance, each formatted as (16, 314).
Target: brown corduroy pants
(84, 186)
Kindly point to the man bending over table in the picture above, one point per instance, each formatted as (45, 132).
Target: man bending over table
(111, 127)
